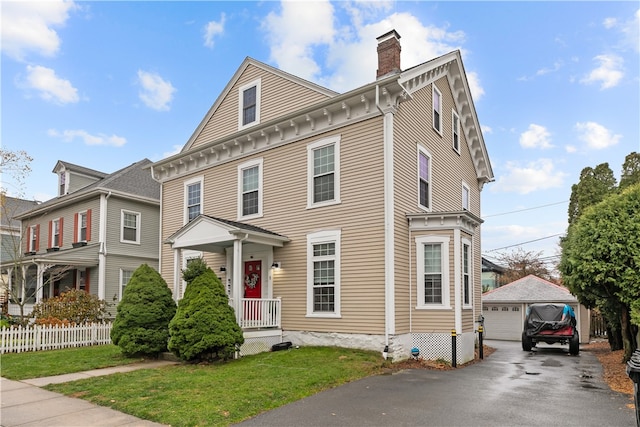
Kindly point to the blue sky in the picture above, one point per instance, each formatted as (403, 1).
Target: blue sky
(104, 84)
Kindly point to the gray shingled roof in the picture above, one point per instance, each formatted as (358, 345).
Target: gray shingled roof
(81, 169)
(12, 207)
(530, 289)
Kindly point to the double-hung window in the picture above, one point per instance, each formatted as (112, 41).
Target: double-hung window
(62, 181)
(466, 273)
(437, 109)
(34, 231)
(455, 129)
(56, 233)
(323, 274)
(424, 178)
(433, 271)
(125, 276)
(82, 226)
(249, 104)
(193, 198)
(250, 189)
(130, 227)
(466, 197)
(323, 158)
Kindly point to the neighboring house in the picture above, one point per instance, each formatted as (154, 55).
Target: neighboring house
(490, 275)
(99, 228)
(10, 207)
(337, 219)
(505, 308)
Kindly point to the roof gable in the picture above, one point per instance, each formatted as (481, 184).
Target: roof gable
(529, 289)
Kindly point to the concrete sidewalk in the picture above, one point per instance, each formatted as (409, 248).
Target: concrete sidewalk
(23, 403)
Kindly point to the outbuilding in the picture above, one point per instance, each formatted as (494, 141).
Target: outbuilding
(505, 308)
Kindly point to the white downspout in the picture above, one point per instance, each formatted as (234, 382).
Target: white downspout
(102, 253)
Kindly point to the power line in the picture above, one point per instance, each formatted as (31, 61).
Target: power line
(526, 209)
(524, 243)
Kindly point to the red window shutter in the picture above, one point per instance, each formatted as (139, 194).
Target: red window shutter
(37, 248)
(86, 280)
(50, 234)
(75, 227)
(61, 225)
(88, 225)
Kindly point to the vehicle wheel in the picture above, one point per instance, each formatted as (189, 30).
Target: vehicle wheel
(526, 342)
(574, 344)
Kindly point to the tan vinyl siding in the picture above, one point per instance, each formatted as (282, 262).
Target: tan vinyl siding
(359, 216)
(279, 96)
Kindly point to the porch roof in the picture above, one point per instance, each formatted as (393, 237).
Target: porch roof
(211, 234)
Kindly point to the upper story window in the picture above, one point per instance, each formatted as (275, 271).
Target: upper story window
(130, 227)
(250, 189)
(249, 104)
(82, 227)
(33, 242)
(323, 274)
(323, 163)
(424, 178)
(437, 109)
(455, 129)
(62, 180)
(466, 273)
(466, 197)
(55, 233)
(433, 271)
(192, 198)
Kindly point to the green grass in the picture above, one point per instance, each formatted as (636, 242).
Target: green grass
(36, 364)
(221, 394)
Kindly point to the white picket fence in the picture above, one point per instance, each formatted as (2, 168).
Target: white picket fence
(18, 339)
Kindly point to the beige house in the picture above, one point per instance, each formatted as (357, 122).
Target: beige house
(337, 219)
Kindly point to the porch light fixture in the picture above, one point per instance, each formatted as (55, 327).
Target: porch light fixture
(223, 269)
(276, 265)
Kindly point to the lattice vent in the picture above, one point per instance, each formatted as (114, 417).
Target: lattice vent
(257, 345)
(437, 346)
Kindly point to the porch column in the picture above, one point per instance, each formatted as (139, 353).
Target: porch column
(237, 283)
(23, 285)
(177, 258)
(40, 284)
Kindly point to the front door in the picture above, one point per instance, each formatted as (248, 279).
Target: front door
(252, 289)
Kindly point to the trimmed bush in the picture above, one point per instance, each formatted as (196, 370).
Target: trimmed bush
(142, 320)
(205, 327)
(72, 306)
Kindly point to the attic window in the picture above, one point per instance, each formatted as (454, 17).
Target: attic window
(455, 125)
(249, 104)
(437, 110)
(62, 181)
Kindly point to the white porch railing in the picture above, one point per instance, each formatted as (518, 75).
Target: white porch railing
(14, 309)
(17, 339)
(259, 313)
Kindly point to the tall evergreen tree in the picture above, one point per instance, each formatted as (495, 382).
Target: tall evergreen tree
(630, 170)
(593, 187)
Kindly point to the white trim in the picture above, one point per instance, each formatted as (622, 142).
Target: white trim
(79, 224)
(467, 189)
(327, 236)
(423, 151)
(389, 226)
(258, 84)
(420, 242)
(466, 242)
(455, 130)
(55, 223)
(187, 183)
(138, 224)
(435, 91)
(241, 168)
(33, 235)
(333, 140)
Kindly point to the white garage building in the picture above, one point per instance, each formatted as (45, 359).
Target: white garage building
(505, 308)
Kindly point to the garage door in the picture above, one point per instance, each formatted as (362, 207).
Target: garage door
(503, 322)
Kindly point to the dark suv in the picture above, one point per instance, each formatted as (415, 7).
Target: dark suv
(550, 323)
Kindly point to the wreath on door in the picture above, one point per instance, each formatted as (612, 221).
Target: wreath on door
(251, 280)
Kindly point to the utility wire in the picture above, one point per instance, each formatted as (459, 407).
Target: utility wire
(524, 243)
(526, 209)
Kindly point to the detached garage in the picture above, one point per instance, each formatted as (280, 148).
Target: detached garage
(505, 308)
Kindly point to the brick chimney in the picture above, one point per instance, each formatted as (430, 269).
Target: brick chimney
(388, 53)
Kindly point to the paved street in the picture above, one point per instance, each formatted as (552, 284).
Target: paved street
(546, 387)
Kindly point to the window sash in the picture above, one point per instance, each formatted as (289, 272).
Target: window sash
(456, 132)
(465, 197)
(56, 233)
(324, 174)
(432, 253)
(437, 109)
(82, 220)
(323, 284)
(33, 241)
(193, 200)
(466, 276)
(424, 187)
(125, 276)
(249, 105)
(250, 190)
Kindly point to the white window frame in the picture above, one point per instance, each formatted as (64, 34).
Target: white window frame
(445, 242)
(466, 196)
(55, 231)
(187, 255)
(122, 284)
(435, 91)
(469, 273)
(63, 183)
(138, 216)
(311, 148)
(327, 236)
(81, 215)
(423, 151)
(81, 279)
(187, 183)
(33, 238)
(241, 168)
(258, 85)
(455, 131)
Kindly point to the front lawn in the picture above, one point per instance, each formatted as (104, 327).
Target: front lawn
(221, 394)
(36, 364)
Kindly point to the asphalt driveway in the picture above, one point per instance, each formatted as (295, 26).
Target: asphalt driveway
(546, 387)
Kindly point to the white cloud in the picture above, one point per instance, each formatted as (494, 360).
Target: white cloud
(571, 148)
(523, 179)
(609, 73)
(486, 129)
(596, 136)
(50, 86)
(28, 26)
(156, 93)
(87, 138)
(213, 29)
(477, 91)
(536, 137)
(176, 150)
(306, 40)
(609, 23)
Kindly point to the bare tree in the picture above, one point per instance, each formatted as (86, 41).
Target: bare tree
(520, 263)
